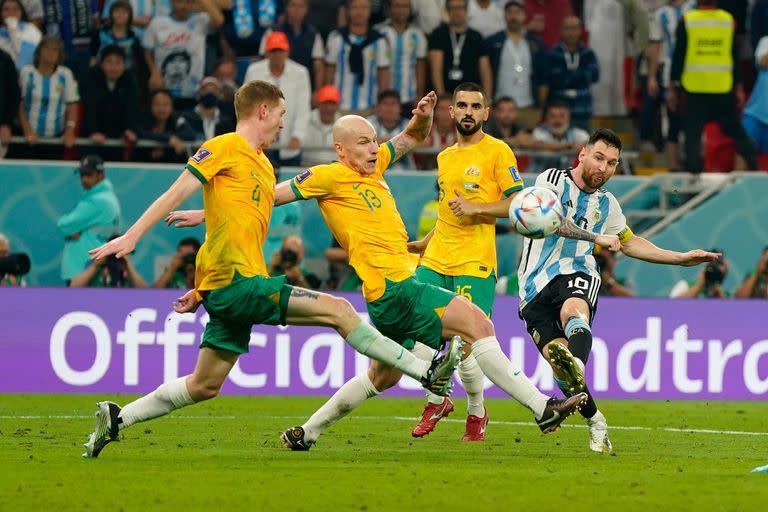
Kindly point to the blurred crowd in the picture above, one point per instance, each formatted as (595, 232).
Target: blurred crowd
(119, 73)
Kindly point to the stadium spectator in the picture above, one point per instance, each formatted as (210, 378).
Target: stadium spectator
(142, 12)
(515, 55)
(8, 279)
(557, 133)
(18, 36)
(708, 283)
(357, 60)
(73, 21)
(94, 219)
(545, 17)
(610, 284)
(293, 79)
(119, 31)
(306, 43)
(110, 272)
(504, 124)
(711, 80)
(427, 14)
(225, 71)
(245, 23)
(457, 53)
(10, 96)
(408, 53)
(207, 120)
(442, 134)
(164, 125)
(755, 117)
(485, 16)
(180, 272)
(110, 103)
(388, 122)
(174, 47)
(319, 138)
(49, 98)
(35, 11)
(755, 285)
(378, 8)
(325, 15)
(571, 69)
(623, 32)
(289, 261)
(341, 276)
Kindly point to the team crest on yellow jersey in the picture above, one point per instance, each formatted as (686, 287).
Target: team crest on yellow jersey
(472, 171)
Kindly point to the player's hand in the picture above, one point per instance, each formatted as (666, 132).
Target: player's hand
(187, 303)
(610, 242)
(417, 247)
(461, 206)
(120, 246)
(697, 257)
(426, 105)
(185, 218)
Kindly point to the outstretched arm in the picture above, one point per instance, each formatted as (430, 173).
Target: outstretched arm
(186, 185)
(461, 206)
(417, 129)
(642, 249)
(569, 229)
(284, 193)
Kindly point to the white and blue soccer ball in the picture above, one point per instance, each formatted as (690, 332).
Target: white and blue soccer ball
(536, 212)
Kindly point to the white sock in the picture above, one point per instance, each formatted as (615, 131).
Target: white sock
(168, 397)
(353, 393)
(425, 353)
(370, 342)
(513, 381)
(472, 379)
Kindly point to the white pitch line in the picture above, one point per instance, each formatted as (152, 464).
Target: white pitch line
(405, 418)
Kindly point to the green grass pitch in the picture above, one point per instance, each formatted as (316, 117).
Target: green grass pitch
(226, 455)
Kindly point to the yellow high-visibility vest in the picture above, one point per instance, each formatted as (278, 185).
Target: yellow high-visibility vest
(708, 57)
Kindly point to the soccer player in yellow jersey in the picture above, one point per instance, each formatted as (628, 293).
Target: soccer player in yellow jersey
(231, 278)
(360, 210)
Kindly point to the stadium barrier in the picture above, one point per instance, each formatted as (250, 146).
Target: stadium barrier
(129, 341)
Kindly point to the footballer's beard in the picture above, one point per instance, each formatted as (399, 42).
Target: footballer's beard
(468, 131)
(595, 179)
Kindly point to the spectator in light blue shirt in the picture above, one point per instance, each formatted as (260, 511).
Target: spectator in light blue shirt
(95, 218)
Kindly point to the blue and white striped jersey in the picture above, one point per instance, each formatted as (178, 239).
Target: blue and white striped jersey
(45, 98)
(547, 258)
(354, 95)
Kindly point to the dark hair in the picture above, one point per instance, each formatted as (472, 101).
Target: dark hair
(444, 96)
(190, 240)
(556, 104)
(48, 41)
(468, 87)
(157, 92)
(121, 4)
(24, 16)
(518, 3)
(503, 99)
(388, 93)
(608, 136)
(111, 49)
(465, 2)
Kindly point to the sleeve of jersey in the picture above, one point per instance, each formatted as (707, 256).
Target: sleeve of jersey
(616, 223)
(312, 183)
(507, 174)
(385, 157)
(207, 162)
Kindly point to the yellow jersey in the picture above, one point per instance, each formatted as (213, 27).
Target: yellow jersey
(361, 213)
(484, 172)
(238, 197)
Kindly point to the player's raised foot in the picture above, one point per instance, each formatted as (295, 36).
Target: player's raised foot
(570, 369)
(438, 379)
(598, 434)
(293, 438)
(558, 409)
(431, 415)
(476, 426)
(105, 431)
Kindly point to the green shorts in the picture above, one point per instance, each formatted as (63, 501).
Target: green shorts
(480, 291)
(411, 311)
(235, 308)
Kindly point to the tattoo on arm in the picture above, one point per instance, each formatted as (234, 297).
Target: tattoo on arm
(303, 292)
(569, 229)
(413, 135)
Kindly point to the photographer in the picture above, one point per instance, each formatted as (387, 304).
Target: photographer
(112, 272)
(709, 283)
(12, 266)
(755, 285)
(288, 262)
(180, 273)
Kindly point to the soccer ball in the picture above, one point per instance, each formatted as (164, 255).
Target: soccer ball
(536, 212)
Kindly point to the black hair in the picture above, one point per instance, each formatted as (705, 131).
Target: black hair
(468, 87)
(608, 136)
(388, 93)
(190, 240)
(503, 99)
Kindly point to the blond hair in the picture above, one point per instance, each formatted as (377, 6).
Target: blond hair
(254, 93)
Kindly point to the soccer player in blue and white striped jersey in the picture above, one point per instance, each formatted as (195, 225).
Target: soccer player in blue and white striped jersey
(558, 276)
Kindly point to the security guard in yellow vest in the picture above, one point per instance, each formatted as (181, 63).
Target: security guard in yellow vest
(705, 64)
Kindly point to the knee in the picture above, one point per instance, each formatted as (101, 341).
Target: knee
(482, 326)
(341, 310)
(383, 377)
(201, 390)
